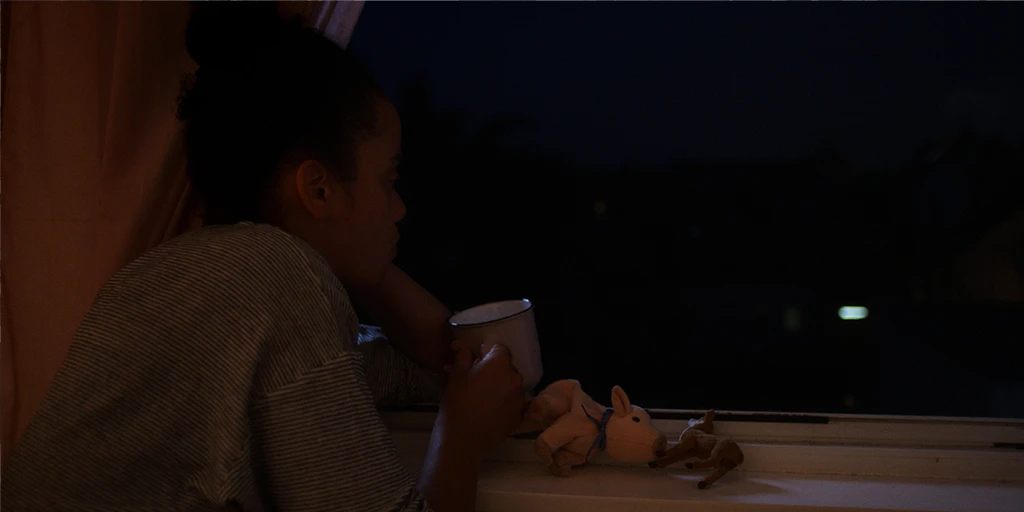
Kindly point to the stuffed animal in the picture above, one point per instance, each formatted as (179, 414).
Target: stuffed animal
(575, 428)
(699, 440)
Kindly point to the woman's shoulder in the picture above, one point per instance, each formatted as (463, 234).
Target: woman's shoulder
(236, 264)
(259, 253)
(241, 285)
(244, 241)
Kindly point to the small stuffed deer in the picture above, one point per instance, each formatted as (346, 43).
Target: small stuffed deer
(699, 440)
(575, 428)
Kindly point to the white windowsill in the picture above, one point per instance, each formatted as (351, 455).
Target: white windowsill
(522, 486)
(813, 475)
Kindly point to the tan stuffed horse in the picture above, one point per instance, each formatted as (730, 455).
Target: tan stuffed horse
(699, 440)
(575, 428)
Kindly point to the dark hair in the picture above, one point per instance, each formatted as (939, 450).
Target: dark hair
(268, 93)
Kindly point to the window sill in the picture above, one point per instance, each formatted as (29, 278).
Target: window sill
(774, 477)
(512, 486)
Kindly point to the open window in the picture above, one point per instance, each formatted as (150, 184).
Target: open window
(805, 210)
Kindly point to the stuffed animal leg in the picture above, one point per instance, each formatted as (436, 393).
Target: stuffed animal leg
(555, 446)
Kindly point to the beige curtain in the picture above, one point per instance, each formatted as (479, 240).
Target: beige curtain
(92, 168)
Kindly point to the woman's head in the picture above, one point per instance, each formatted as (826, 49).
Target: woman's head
(282, 126)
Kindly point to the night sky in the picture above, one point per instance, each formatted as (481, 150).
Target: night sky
(652, 83)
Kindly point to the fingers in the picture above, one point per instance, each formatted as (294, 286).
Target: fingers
(499, 351)
(515, 378)
(517, 381)
(463, 355)
(500, 356)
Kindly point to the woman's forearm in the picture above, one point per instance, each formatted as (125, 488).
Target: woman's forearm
(412, 318)
(448, 478)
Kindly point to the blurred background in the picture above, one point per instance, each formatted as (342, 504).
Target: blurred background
(808, 207)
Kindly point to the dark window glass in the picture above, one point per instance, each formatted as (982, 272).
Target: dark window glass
(798, 207)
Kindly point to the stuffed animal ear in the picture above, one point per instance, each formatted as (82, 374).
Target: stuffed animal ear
(620, 402)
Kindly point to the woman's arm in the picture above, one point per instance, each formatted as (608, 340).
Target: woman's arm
(412, 319)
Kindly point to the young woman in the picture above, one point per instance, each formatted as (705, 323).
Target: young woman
(225, 369)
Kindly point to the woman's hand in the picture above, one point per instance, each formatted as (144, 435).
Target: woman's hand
(484, 400)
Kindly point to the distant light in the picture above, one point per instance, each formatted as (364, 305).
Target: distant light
(853, 313)
(791, 319)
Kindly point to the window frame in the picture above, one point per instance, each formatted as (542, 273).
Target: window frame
(976, 449)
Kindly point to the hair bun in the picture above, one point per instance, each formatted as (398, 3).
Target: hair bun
(231, 35)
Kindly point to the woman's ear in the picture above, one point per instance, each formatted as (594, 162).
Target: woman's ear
(620, 402)
(312, 185)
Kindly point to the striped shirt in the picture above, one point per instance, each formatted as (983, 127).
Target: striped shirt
(223, 370)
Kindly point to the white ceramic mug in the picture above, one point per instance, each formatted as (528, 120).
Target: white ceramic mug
(510, 323)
